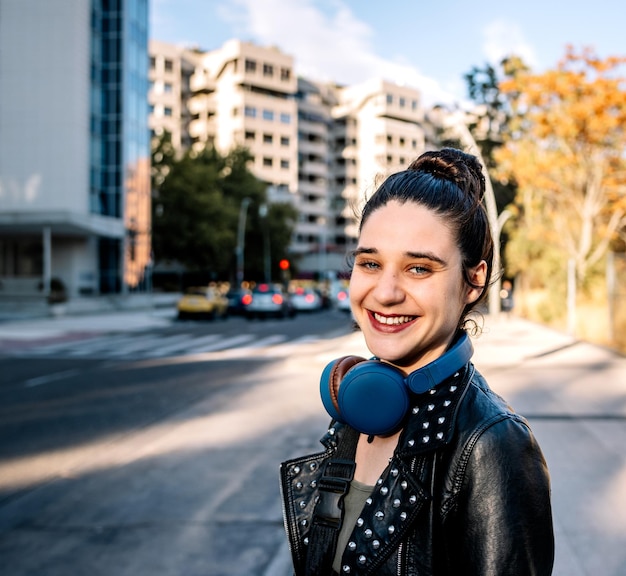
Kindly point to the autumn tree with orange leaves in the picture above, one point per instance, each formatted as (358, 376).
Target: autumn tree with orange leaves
(566, 151)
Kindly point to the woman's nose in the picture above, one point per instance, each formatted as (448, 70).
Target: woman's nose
(388, 288)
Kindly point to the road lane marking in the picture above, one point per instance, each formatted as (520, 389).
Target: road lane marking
(49, 378)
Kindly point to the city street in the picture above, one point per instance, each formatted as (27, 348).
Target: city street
(116, 459)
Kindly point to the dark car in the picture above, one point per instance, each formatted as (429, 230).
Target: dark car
(268, 300)
(236, 301)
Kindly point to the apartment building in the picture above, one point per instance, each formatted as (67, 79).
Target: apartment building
(317, 145)
(74, 147)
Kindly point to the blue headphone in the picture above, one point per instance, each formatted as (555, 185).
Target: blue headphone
(373, 397)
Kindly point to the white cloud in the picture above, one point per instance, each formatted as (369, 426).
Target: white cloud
(503, 38)
(329, 44)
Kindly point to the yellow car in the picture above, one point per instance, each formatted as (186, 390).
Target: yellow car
(202, 302)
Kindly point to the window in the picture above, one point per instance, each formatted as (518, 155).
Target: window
(402, 102)
(267, 162)
(414, 105)
(168, 88)
(389, 99)
(285, 74)
(152, 62)
(250, 135)
(250, 112)
(402, 141)
(268, 70)
(285, 118)
(168, 65)
(284, 140)
(267, 138)
(250, 65)
(284, 164)
(268, 115)
(167, 111)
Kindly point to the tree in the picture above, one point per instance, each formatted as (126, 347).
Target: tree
(196, 212)
(565, 152)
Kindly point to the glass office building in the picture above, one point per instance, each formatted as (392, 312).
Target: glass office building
(74, 146)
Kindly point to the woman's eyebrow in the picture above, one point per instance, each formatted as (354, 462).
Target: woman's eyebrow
(425, 256)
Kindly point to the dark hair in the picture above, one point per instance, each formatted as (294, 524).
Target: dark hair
(450, 183)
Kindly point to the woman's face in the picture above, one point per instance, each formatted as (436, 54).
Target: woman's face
(407, 290)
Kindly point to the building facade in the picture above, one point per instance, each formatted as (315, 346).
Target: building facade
(319, 146)
(74, 147)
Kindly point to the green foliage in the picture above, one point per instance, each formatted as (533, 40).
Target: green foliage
(196, 206)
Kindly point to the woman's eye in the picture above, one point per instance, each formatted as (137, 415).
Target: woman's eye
(367, 264)
(420, 270)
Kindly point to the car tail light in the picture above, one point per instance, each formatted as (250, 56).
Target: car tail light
(342, 295)
(246, 299)
(277, 299)
(309, 298)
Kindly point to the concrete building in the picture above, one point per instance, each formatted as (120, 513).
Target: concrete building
(317, 145)
(74, 147)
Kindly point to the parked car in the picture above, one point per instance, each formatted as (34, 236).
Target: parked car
(202, 302)
(306, 300)
(342, 300)
(236, 304)
(268, 300)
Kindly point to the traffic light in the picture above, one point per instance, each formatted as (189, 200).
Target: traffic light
(284, 264)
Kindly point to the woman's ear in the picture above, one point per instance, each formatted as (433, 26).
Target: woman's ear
(477, 277)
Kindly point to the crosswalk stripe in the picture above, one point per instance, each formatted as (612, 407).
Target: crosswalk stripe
(226, 343)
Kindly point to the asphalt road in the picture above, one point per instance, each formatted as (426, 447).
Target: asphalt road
(146, 464)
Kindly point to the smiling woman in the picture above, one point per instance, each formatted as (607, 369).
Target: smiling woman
(425, 470)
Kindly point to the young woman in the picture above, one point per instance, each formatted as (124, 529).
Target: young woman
(425, 470)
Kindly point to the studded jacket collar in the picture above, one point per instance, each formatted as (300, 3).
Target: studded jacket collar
(418, 516)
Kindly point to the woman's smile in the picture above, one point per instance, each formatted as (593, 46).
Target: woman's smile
(391, 320)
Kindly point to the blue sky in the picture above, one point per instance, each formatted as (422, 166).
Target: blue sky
(428, 44)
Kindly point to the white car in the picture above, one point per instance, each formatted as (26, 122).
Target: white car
(306, 300)
(342, 300)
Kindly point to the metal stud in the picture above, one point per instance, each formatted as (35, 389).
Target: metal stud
(447, 403)
(306, 541)
(375, 544)
(331, 431)
(441, 419)
(412, 499)
(452, 388)
(379, 515)
(402, 515)
(296, 469)
(368, 533)
(384, 490)
(432, 391)
(313, 483)
(304, 522)
(394, 472)
(425, 425)
(416, 409)
(426, 439)
(360, 522)
(299, 485)
(391, 529)
(410, 443)
(439, 435)
(346, 569)
(312, 466)
(396, 503)
(302, 504)
(404, 484)
(368, 502)
(379, 481)
(430, 407)
(362, 559)
(352, 546)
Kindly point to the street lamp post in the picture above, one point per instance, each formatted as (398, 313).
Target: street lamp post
(266, 244)
(241, 239)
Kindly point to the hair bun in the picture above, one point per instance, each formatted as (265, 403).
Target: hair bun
(456, 166)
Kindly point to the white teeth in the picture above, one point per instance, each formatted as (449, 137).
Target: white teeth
(392, 319)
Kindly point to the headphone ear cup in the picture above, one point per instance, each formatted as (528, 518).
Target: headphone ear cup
(373, 398)
(330, 382)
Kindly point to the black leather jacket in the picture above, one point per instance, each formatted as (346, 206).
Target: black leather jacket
(467, 492)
